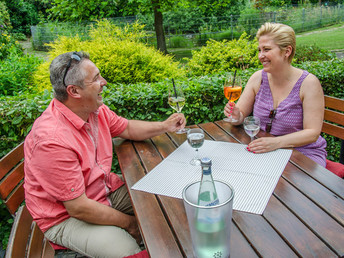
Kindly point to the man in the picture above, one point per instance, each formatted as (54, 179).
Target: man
(69, 189)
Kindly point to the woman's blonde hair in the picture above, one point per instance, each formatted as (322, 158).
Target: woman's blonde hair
(283, 36)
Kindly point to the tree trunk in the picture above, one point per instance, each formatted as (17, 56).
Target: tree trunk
(159, 28)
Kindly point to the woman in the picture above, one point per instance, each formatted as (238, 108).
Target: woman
(288, 100)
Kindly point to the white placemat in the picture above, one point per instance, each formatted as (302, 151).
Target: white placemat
(253, 176)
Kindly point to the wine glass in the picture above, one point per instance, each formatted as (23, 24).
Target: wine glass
(232, 91)
(252, 126)
(195, 139)
(176, 100)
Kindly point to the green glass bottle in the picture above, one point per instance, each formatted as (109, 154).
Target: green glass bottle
(210, 223)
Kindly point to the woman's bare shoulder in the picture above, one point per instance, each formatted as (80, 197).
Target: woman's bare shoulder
(311, 86)
(255, 81)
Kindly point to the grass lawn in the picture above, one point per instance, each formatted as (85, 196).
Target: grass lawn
(330, 38)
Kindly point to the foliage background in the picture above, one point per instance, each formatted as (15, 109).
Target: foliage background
(117, 52)
(135, 78)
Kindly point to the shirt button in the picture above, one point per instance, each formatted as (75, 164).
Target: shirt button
(72, 189)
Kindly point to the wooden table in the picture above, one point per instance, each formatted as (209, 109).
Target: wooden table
(304, 216)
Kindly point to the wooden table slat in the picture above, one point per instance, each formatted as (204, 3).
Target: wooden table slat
(261, 235)
(132, 172)
(315, 191)
(300, 237)
(239, 246)
(311, 215)
(174, 208)
(321, 174)
(304, 216)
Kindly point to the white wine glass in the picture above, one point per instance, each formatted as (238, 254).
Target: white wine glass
(195, 139)
(252, 126)
(176, 100)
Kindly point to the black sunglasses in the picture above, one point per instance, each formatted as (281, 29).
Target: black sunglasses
(271, 116)
(74, 56)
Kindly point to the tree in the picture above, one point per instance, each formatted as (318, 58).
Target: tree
(158, 7)
(78, 10)
(23, 14)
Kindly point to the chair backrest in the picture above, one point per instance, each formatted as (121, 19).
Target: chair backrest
(12, 178)
(26, 239)
(334, 120)
(334, 109)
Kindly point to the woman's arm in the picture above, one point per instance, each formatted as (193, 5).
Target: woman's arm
(312, 97)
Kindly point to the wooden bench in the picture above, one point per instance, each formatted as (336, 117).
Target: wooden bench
(26, 239)
(334, 121)
(334, 108)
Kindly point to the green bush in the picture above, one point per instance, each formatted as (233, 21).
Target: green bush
(118, 53)
(217, 56)
(330, 73)
(148, 101)
(17, 115)
(5, 225)
(312, 53)
(16, 73)
(8, 45)
(205, 100)
(5, 22)
(23, 14)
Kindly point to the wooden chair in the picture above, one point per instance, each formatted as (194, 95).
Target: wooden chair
(334, 125)
(26, 239)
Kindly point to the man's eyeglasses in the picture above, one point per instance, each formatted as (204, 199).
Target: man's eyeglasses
(271, 116)
(74, 56)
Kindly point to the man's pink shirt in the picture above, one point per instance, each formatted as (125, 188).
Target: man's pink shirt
(66, 157)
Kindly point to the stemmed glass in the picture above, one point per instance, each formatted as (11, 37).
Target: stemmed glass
(176, 100)
(232, 91)
(195, 139)
(252, 126)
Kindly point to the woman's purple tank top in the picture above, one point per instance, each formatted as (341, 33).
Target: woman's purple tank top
(289, 117)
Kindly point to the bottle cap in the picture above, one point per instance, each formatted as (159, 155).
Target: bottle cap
(205, 161)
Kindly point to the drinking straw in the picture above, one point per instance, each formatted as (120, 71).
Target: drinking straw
(230, 96)
(175, 93)
(234, 78)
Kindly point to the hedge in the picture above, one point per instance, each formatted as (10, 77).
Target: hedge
(148, 101)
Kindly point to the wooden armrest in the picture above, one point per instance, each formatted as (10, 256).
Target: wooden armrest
(26, 239)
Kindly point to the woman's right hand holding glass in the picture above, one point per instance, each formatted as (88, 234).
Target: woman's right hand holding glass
(232, 110)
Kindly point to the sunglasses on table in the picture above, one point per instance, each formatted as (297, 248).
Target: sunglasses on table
(74, 56)
(271, 116)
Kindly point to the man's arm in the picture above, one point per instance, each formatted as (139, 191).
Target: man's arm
(94, 212)
(140, 130)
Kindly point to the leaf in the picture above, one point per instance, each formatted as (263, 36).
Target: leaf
(17, 120)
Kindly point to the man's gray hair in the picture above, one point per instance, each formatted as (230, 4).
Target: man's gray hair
(75, 75)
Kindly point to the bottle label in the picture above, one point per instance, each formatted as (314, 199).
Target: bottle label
(215, 202)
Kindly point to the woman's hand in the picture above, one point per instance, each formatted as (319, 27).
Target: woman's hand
(264, 144)
(232, 109)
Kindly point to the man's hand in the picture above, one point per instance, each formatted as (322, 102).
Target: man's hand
(175, 122)
(133, 229)
(94, 212)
